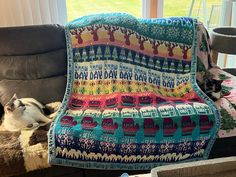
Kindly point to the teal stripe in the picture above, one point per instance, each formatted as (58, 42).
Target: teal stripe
(153, 28)
(201, 94)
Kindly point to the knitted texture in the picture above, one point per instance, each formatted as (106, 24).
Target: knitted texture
(132, 101)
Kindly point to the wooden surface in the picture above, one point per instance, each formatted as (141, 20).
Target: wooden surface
(214, 56)
(142, 175)
(222, 167)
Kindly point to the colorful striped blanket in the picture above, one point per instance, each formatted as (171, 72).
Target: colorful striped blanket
(132, 101)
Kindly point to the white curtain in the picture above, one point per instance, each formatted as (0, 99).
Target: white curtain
(32, 12)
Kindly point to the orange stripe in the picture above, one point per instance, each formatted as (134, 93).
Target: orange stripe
(153, 8)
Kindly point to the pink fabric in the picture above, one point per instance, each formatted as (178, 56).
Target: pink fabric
(227, 102)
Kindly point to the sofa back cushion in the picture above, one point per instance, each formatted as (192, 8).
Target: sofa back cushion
(33, 63)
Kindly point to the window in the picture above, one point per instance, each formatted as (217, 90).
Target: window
(207, 11)
(78, 8)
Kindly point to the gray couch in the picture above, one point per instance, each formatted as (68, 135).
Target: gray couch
(33, 63)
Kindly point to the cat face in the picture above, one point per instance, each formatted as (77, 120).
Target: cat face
(14, 106)
(213, 89)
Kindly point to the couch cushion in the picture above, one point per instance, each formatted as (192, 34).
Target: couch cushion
(31, 39)
(33, 63)
(45, 90)
(34, 66)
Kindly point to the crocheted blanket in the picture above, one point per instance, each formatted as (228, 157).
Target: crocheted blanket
(132, 101)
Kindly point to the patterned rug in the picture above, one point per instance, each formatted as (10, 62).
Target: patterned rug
(132, 101)
(17, 149)
(25, 150)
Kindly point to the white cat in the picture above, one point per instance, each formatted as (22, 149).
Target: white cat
(24, 113)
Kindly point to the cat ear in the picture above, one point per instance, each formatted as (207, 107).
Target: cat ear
(8, 109)
(15, 97)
